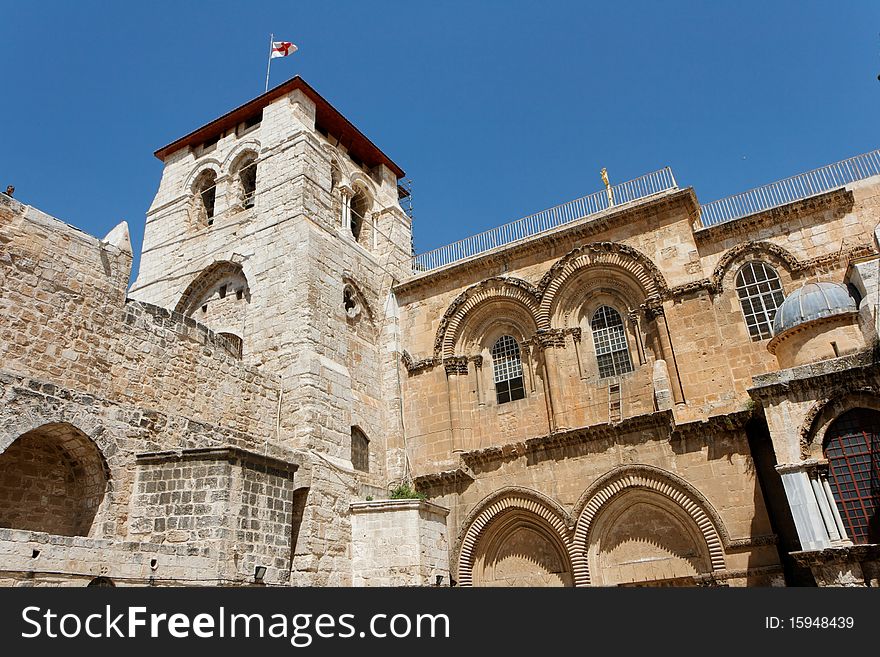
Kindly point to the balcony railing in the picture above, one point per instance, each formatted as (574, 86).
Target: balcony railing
(796, 188)
(648, 185)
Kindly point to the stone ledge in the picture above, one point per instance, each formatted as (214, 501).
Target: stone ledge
(376, 506)
(233, 455)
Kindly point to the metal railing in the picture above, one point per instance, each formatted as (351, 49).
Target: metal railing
(632, 190)
(796, 188)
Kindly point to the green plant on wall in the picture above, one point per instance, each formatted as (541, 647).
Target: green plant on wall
(406, 492)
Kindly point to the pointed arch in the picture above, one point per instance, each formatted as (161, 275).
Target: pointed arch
(656, 480)
(206, 280)
(512, 290)
(53, 479)
(824, 411)
(638, 275)
(529, 504)
(773, 253)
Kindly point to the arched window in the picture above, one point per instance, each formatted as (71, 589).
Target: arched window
(247, 179)
(360, 450)
(360, 203)
(234, 342)
(609, 338)
(852, 447)
(760, 294)
(206, 189)
(508, 370)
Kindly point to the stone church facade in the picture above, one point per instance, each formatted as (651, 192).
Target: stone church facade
(631, 389)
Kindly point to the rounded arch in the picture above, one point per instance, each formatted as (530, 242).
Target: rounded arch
(660, 482)
(241, 149)
(735, 258)
(53, 479)
(515, 293)
(243, 173)
(630, 271)
(521, 503)
(206, 279)
(357, 179)
(207, 164)
(825, 411)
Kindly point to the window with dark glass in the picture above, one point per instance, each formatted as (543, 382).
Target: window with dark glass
(852, 447)
(360, 450)
(507, 366)
(609, 338)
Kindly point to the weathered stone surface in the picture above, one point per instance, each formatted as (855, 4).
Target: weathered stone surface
(200, 425)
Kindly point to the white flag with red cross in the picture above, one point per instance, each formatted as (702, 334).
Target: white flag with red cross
(282, 49)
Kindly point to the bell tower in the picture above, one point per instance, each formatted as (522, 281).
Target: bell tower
(279, 226)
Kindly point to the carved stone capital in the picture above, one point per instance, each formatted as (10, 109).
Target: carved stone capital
(456, 365)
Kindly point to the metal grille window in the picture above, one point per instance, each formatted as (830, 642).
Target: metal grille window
(360, 450)
(760, 295)
(852, 447)
(609, 337)
(508, 370)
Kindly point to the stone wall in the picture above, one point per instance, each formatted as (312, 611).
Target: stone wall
(399, 543)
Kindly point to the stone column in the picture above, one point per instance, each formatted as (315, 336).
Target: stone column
(345, 218)
(456, 368)
(545, 345)
(815, 514)
(655, 311)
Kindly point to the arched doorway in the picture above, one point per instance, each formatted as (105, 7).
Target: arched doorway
(643, 537)
(52, 479)
(519, 549)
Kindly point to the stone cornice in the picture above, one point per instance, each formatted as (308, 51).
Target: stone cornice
(587, 227)
(860, 369)
(662, 422)
(839, 198)
(445, 478)
(233, 455)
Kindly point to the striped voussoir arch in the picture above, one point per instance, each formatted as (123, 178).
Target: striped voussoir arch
(600, 254)
(500, 503)
(652, 479)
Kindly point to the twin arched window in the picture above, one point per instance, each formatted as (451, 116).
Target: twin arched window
(507, 366)
(612, 355)
(609, 338)
(760, 295)
(852, 447)
(205, 187)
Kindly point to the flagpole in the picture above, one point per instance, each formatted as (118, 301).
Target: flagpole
(269, 63)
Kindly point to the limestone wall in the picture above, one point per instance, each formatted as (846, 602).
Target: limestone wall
(399, 543)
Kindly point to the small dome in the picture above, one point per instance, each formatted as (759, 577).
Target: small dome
(810, 302)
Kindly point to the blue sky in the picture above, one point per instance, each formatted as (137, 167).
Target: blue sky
(494, 109)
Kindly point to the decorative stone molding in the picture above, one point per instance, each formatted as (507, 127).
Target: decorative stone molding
(661, 422)
(781, 256)
(659, 481)
(841, 200)
(233, 455)
(498, 287)
(414, 366)
(498, 503)
(456, 365)
(827, 409)
(599, 254)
